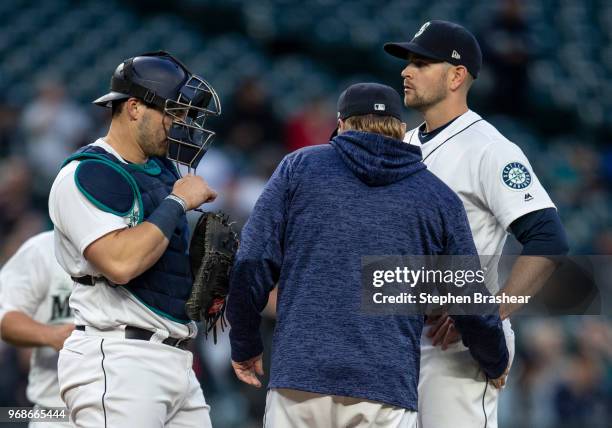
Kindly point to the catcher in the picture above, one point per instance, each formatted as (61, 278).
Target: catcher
(118, 206)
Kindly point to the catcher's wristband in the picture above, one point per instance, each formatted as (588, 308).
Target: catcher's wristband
(178, 199)
(166, 216)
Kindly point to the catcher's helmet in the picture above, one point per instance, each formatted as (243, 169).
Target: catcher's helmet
(162, 81)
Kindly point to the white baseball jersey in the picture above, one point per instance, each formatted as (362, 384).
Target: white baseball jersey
(490, 174)
(32, 282)
(78, 223)
(497, 185)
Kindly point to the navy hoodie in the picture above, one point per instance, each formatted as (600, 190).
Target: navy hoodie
(322, 210)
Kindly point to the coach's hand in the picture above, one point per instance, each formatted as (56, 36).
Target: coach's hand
(500, 381)
(443, 331)
(248, 370)
(57, 335)
(194, 190)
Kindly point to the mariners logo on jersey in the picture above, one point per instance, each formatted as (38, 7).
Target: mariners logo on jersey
(134, 216)
(516, 176)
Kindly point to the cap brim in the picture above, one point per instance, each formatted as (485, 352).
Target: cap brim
(105, 100)
(401, 50)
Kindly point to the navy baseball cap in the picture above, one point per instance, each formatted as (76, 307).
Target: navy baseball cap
(442, 41)
(369, 98)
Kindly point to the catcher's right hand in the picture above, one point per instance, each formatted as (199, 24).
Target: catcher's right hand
(194, 191)
(212, 250)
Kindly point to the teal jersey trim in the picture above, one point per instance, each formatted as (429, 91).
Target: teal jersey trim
(93, 157)
(149, 168)
(158, 311)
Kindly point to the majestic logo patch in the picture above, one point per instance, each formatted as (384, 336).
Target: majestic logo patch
(423, 28)
(516, 176)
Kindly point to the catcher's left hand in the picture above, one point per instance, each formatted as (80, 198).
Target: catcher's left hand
(212, 250)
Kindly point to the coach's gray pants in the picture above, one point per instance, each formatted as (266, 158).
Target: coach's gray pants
(290, 408)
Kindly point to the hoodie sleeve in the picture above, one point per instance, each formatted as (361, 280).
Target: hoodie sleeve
(482, 334)
(257, 265)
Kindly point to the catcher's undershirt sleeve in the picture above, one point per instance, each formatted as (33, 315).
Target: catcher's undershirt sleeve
(541, 233)
(257, 265)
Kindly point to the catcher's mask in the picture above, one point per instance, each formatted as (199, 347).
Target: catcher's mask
(162, 81)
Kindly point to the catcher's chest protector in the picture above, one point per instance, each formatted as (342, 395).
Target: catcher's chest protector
(166, 286)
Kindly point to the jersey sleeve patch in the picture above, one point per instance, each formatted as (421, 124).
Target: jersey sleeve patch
(105, 186)
(516, 176)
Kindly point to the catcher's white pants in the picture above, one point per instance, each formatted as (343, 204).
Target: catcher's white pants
(453, 391)
(112, 382)
(290, 408)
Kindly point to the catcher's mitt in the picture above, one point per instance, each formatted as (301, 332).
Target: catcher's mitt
(212, 250)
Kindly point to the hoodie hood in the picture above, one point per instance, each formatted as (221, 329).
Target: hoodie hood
(375, 159)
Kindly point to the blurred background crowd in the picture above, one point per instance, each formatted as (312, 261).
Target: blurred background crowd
(279, 67)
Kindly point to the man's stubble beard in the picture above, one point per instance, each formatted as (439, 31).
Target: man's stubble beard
(152, 144)
(424, 103)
